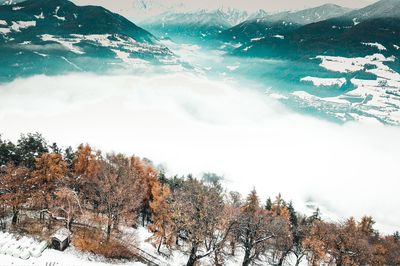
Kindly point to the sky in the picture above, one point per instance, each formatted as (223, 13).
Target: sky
(138, 9)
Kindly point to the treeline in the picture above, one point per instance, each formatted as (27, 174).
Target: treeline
(195, 216)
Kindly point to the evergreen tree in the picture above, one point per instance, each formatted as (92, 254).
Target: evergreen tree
(8, 153)
(268, 205)
(55, 149)
(293, 215)
(316, 215)
(29, 147)
(396, 236)
(162, 177)
(69, 156)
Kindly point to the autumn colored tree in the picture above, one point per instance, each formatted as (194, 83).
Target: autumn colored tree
(50, 171)
(283, 241)
(392, 246)
(117, 190)
(253, 229)
(14, 188)
(318, 241)
(349, 246)
(148, 177)
(66, 204)
(198, 216)
(161, 209)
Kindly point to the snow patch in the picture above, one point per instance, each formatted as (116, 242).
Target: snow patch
(67, 43)
(40, 16)
(257, 39)
(56, 14)
(125, 57)
(19, 25)
(379, 46)
(279, 36)
(324, 81)
(5, 30)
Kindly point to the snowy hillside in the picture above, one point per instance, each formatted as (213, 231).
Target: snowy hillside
(200, 23)
(59, 33)
(268, 25)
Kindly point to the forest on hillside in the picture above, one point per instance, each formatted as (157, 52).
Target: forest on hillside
(95, 195)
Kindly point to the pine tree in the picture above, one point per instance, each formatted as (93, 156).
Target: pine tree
(268, 205)
(29, 147)
(8, 153)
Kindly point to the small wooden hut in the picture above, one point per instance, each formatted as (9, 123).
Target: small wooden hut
(60, 239)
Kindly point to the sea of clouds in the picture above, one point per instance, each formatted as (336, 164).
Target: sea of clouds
(192, 124)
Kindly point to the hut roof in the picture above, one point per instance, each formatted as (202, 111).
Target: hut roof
(61, 234)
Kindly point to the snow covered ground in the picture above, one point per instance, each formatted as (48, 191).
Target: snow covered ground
(20, 247)
(67, 258)
(16, 26)
(325, 81)
(17, 250)
(372, 99)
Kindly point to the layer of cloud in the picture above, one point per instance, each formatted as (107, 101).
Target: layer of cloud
(194, 125)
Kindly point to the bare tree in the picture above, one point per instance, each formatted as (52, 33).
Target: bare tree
(13, 189)
(253, 229)
(198, 215)
(66, 204)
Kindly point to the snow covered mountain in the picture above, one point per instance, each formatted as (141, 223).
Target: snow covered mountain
(380, 9)
(41, 35)
(356, 33)
(278, 24)
(357, 52)
(200, 23)
(310, 15)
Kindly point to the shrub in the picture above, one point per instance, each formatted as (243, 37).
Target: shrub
(92, 240)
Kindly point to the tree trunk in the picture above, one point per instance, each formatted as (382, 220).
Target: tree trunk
(233, 248)
(246, 259)
(15, 217)
(159, 246)
(108, 230)
(282, 258)
(69, 224)
(298, 260)
(192, 258)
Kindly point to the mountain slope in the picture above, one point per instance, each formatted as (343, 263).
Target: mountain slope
(281, 23)
(359, 32)
(380, 9)
(309, 15)
(201, 23)
(43, 35)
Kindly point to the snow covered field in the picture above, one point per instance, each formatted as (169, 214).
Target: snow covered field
(66, 258)
(339, 82)
(21, 247)
(377, 99)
